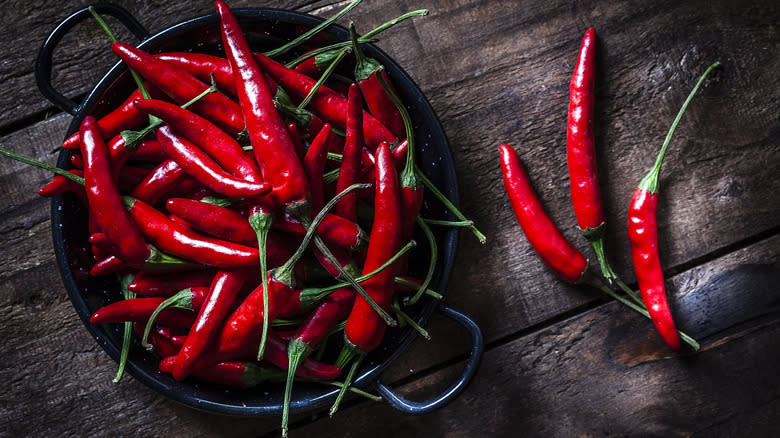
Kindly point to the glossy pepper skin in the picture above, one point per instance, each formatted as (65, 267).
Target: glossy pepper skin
(198, 164)
(643, 236)
(125, 116)
(349, 171)
(580, 141)
(365, 328)
(205, 135)
(183, 87)
(546, 239)
(104, 198)
(179, 241)
(222, 294)
(328, 104)
(274, 151)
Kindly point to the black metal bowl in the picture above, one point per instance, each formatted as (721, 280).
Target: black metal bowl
(264, 28)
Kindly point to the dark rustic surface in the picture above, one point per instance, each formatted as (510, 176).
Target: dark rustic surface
(561, 360)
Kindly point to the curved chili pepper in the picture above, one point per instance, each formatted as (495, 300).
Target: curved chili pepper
(333, 230)
(239, 374)
(177, 240)
(275, 152)
(314, 165)
(200, 166)
(77, 160)
(205, 135)
(643, 237)
(229, 225)
(104, 199)
(334, 308)
(159, 182)
(59, 185)
(107, 265)
(350, 162)
(328, 104)
(546, 239)
(125, 116)
(149, 150)
(581, 152)
(140, 309)
(222, 293)
(365, 328)
(183, 87)
(377, 99)
(295, 137)
(148, 284)
(163, 346)
(202, 66)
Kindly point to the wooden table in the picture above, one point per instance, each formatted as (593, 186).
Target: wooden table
(561, 360)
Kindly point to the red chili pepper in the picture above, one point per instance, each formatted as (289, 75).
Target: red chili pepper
(275, 152)
(229, 225)
(221, 296)
(377, 99)
(328, 104)
(149, 150)
(125, 116)
(643, 236)
(238, 374)
(77, 160)
(205, 135)
(295, 137)
(318, 324)
(183, 87)
(546, 239)
(107, 265)
(140, 309)
(177, 240)
(200, 166)
(160, 181)
(148, 284)
(59, 185)
(314, 164)
(365, 328)
(581, 151)
(350, 162)
(333, 229)
(130, 177)
(104, 199)
(163, 346)
(202, 66)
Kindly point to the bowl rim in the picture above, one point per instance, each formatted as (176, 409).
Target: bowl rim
(368, 373)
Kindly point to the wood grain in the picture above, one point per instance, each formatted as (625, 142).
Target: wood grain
(561, 360)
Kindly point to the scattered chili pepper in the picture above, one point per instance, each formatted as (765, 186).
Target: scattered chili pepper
(581, 152)
(140, 309)
(125, 116)
(238, 374)
(643, 236)
(148, 284)
(159, 182)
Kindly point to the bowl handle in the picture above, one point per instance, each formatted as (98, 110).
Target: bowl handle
(477, 348)
(43, 65)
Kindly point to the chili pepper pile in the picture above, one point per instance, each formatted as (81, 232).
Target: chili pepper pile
(562, 256)
(206, 186)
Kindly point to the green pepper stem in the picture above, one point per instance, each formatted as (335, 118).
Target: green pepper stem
(297, 351)
(347, 382)
(595, 282)
(325, 75)
(181, 300)
(311, 296)
(367, 38)
(431, 263)
(127, 333)
(33, 162)
(403, 316)
(450, 206)
(650, 181)
(261, 224)
(313, 31)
